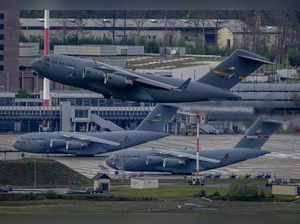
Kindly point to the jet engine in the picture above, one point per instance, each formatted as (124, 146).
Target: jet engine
(75, 145)
(57, 143)
(154, 161)
(117, 81)
(172, 163)
(93, 74)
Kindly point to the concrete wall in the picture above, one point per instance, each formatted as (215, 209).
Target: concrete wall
(292, 190)
(98, 50)
(144, 183)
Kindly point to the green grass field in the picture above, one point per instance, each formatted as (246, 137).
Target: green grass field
(48, 173)
(168, 192)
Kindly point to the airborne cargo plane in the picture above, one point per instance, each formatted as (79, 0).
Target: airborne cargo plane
(125, 84)
(184, 161)
(89, 144)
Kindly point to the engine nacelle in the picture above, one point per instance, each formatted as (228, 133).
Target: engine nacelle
(75, 145)
(154, 161)
(117, 81)
(93, 74)
(172, 163)
(57, 143)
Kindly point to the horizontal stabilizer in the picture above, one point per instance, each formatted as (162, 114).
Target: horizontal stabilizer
(258, 59)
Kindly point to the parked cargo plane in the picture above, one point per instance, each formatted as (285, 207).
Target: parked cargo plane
(184, 161)
(125, 84)
(88, 144)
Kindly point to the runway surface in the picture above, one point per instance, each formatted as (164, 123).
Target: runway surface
(283, 161)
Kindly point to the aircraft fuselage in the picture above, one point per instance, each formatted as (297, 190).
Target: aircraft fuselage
(55, 143)
(150, 160)
(84, 74)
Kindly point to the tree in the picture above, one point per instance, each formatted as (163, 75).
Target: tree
(294, 58)
(243, 190)
(199, 19)
(23, 93)
(140, 22)
(152, 47)
(65, 31)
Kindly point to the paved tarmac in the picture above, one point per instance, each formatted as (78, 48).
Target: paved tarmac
(283, 161)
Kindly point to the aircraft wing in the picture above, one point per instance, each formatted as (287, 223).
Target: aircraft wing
(89, 138)
(187, 156)
(140, 78)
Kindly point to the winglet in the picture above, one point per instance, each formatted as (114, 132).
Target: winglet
(185, 84)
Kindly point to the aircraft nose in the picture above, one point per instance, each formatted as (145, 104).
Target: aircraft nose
(17, 145)
(235, 97)
(36, 64)
(231, 96)
(113, 161)
(110, 161)
(21, 143)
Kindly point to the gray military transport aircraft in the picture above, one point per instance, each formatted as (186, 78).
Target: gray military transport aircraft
(92, 143)
(125, 84)
(184, 161)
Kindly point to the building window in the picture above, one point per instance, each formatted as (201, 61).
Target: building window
(1, 36)
(1, 57)
(1, 47)
(1, 26)
(1, 67)
(1, 16)
(81, 113)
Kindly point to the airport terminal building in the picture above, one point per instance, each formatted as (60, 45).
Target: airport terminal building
(85, 108)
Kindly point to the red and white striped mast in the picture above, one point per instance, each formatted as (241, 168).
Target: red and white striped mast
(46, 82)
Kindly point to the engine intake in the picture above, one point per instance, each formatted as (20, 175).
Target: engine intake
(154, 161)
(172, 163)
(93, 74)
(57, 143)
(117, 81)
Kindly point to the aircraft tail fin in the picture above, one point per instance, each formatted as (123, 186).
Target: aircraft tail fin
(235, 68)
(259, 133)
(156, 120)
